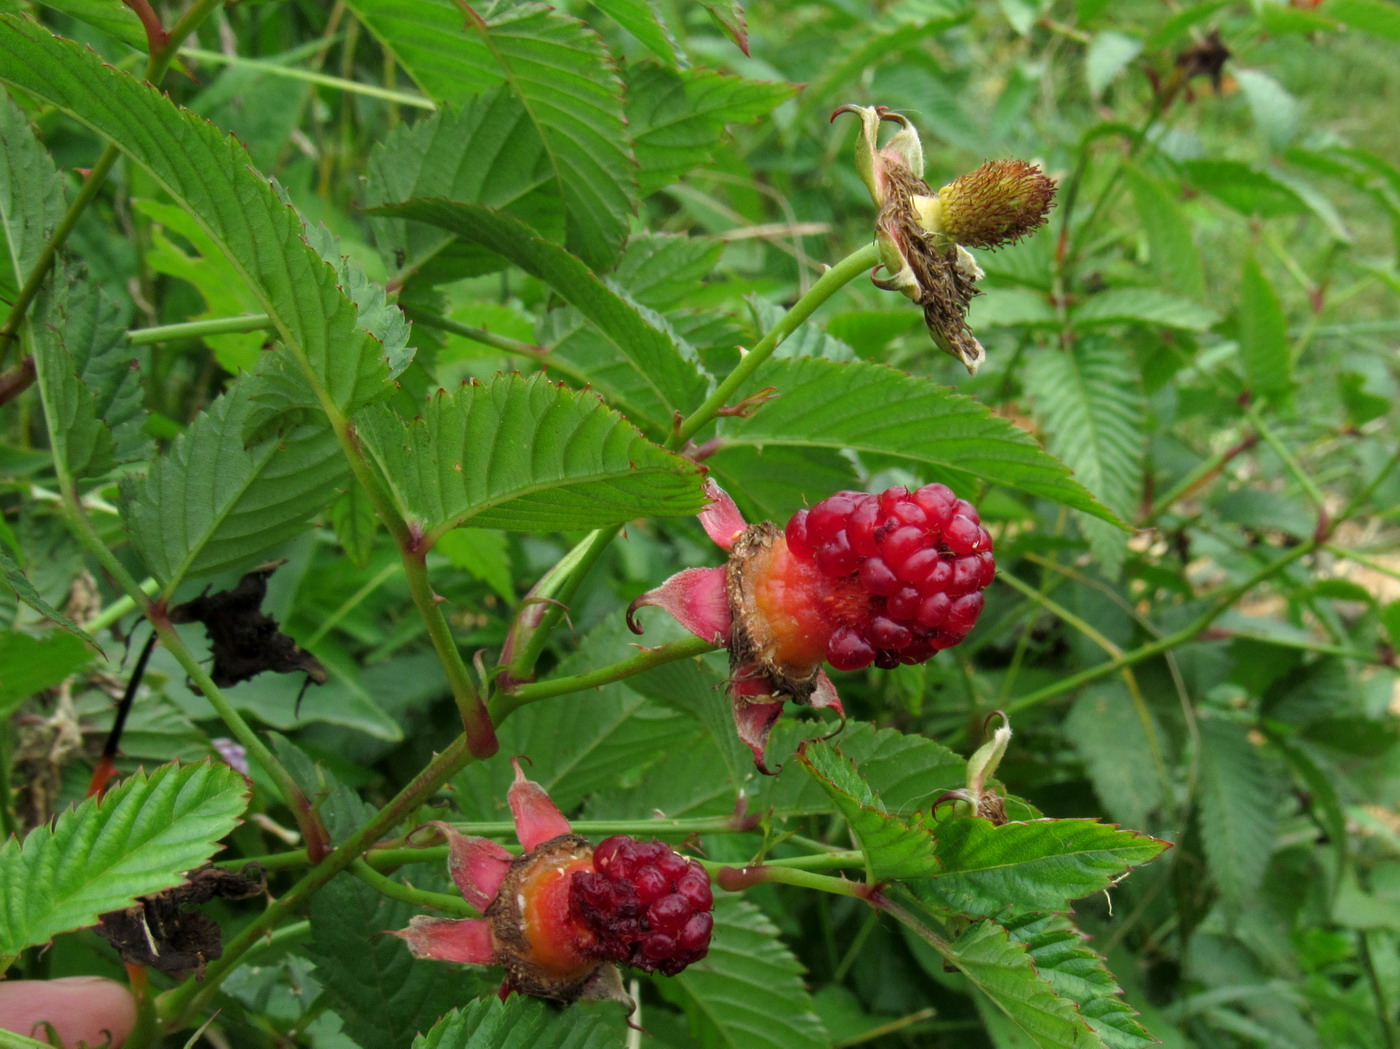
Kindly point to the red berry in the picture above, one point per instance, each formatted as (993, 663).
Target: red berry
(645, 904)
(860, 579)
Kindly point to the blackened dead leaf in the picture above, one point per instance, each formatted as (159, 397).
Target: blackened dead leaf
(160, 932)
(245, 640)
(1205, 58)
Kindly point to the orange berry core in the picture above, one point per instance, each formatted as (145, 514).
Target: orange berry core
(798, 608)
(557, 942)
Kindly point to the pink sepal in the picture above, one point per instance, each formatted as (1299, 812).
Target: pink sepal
(537, 818)
(755, 710)
(722, 520)
(477, 865)
(824, 694)
(466, 940)
(698, 601)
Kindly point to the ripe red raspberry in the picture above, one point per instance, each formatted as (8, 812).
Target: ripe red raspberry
(646, 905)
(861, 579)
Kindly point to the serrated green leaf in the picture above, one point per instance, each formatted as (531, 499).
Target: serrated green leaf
(31, 193)
(383, 994)
(208, 173)
(1075, 972)
(1105, 727)
(23, 589)
(907, 771)
(114, 17)
(1142, 306)
(93, 400)
(1263, 330)
(1248, 190)
(729, 16)
(747, 993)
(210, 504)
(524, 455)
(1040, 865)
(678, 117)
(1091, 406)
(356, 526)
(1171, 246)
(486, 152)
(1004, 971)
(642, 19)
(521, 1023)
(561, 72)
(1236, 811)
(871, 408)
(138, 839)
(893, 849)
(1108, 54)
(30, 664)
(663, 373)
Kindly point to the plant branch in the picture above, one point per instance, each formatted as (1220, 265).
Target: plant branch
(178, 1006)
(644, 659)
(200, 329)
(385, 886)
(830, 282)
(1167, 642)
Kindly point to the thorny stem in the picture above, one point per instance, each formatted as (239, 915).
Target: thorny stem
(642, 660)
(833, 280)
(178, 1006)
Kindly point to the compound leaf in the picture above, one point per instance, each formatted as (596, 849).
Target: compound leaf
(520, 1023)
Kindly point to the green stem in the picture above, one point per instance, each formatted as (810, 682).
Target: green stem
(321, 79)
(200, 329)
(736, 879)
(833, 280)
(178, 1007)
(1198, 476)
(481, 737)
(487, 338)
(1169, 641)
(122, 606)
(646, 659)
(1272, 440)
(439, 901)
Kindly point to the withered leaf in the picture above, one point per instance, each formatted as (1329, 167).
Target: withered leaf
(244, 639)
(160, 931)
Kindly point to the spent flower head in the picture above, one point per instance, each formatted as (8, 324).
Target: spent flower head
(921, 234)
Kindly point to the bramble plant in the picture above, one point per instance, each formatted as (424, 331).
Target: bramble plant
(380, 377)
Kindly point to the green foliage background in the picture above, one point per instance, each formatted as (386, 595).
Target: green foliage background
(617, 196)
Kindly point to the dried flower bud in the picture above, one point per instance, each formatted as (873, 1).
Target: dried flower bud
(996, 205)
